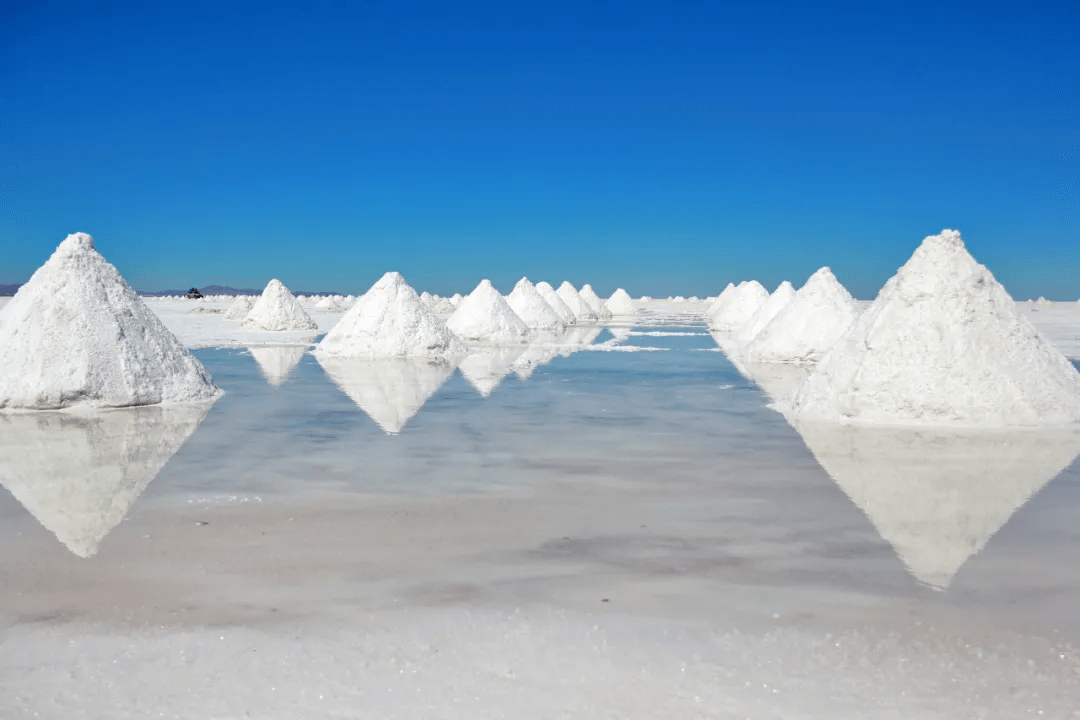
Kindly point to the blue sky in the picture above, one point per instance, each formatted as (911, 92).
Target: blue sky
(663, 147)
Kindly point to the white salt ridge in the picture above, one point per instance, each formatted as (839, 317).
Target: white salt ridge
(484, 317)
(808, 326)
(277, 310)
(764, 315)
(77, 334)
(532, 308)
(736, 306)
(943, 344)
(240, 308)
(589, 296)
(552, 298)
(390, 320)
(582, 311)
(621, 304)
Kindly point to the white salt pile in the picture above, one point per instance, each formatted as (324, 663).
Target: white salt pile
(582, 311)
(764, 315)
(943, 344)
(552, 298)
(77, 334)
(240, 307)
(532, 308)
(427, 298)
(484, 317)
(736, 306)
(277, 310)
(621, 304)
(808, 326)
(455, 299)
(329, 303)
(589, 296)
(390, 321)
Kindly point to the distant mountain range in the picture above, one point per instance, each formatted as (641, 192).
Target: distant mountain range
(6, 290)
(9, 289)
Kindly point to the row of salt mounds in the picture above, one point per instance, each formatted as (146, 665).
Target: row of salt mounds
(390, 321)
(808, 326)
(240, 307)
(77, 334)
(556, 302)
(483, 316)
(943, 344)
(277, 310)
(593, 301)
(330, 303)
(736, 305)
(621, 304)
(531, 307)
(765, 314)
(582, 311)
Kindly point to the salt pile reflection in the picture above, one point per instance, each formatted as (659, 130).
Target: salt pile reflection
(79, 474)
(485, 368)
(276, 363)
(937, 497)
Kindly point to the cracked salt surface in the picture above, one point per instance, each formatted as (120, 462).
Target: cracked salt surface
(293, 560)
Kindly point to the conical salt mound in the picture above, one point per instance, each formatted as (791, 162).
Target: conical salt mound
(390, 320)
(276, 363)
(764, 315)
(937, 496)
(329, 303)
(76, 334)
(943, 344)
(532, 308)
(486, 367)
(484, 317)
(723, 297)
(733, 310)
(78, 474)
(582, 311)
(240, 308)
(552, 298)
(277, 310)
(589, 296)
(620, 304)
(808, 326)
(390, 390)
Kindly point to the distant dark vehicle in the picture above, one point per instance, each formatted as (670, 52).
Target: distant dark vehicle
(194, 294)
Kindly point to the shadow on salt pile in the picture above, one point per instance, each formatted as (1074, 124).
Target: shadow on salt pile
(79, 474)
(938, 496)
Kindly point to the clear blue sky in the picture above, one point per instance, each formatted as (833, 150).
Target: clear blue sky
(665, 147)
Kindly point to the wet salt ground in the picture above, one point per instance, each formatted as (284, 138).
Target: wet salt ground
(622, 534)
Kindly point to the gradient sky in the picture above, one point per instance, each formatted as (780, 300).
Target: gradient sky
(663, 147)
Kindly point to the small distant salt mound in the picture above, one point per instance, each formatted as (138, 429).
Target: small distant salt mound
(455, 299)
(678, 299)
(532, 308)
(943, 344)
(484, 317)
(329, 303)
(693, 298)
(1043, 301)
(205, 310)
(427, 298)
(808, 327)
(734, 308)
(645, 298)
(764, 315)
(552, 298)
(589, 296)
(390, 321)
(240, 308)
(276, 363)
(621, 304)
(277, 310)
(582, 311)
(77, 334)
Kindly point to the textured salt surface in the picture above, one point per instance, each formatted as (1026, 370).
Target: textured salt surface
(390, 320)
(943, 344)
(485, 317)
(277, 310)
(582, 312)
(531, 307)
(77, 335)
(808, 327)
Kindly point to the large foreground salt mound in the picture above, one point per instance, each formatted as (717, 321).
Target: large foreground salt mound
(593, 300)
(77, 334)
(561, 308)
(390, 320)
(736, 305)
(483, 316)
(621, 304)
(277, 310)
(533, 309)
(580, 308)
(943, 344)
(808, 326)
(764, 315)
(240, 308)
